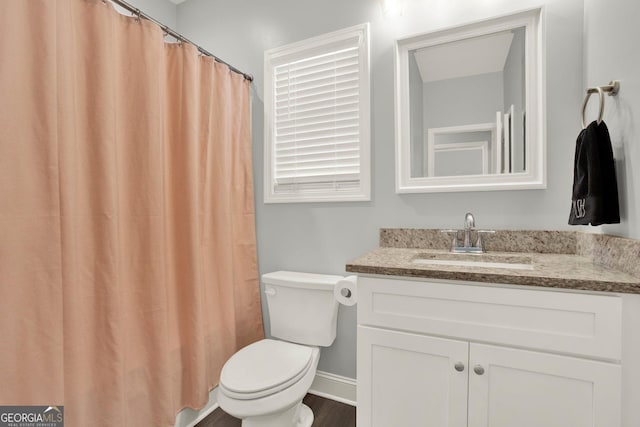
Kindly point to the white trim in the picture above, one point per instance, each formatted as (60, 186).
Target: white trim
(499, 143)
(512, 133)
(429, 160)
(483, 146)
(476, 127)
(334, 387)
(535, 173)
(276, 56)
(327, 385)
(189, 417)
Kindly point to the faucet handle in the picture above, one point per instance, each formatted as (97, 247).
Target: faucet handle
(454, 243)
(479, 239)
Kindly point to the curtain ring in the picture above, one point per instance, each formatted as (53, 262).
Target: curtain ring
(586, 101)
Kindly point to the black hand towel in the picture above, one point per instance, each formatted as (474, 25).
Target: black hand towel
(595, 189)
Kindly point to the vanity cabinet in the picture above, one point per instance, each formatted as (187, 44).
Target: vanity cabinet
(410, 380)
(533, 389)
(439, 353)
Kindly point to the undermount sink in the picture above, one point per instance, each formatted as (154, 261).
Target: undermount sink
(511, 262)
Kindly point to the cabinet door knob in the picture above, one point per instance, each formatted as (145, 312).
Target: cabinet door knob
(459, 366)
(478, 369)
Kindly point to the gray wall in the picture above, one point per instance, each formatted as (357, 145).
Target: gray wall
(514, 94)
(417, 128)
(611, 52)
(319, 237)
(457, 102)
(463, 101)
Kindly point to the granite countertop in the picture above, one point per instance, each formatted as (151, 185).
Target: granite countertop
(575, 261)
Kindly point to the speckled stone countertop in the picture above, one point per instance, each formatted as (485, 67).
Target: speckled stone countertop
(559, 259)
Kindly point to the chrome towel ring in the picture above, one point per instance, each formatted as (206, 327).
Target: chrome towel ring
(612, 89)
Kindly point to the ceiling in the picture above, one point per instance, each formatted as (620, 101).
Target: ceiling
(177, 1)
(468, 57)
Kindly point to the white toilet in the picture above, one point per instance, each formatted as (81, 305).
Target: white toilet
(264, 383)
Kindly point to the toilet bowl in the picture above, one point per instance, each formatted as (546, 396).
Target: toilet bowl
(264, 383)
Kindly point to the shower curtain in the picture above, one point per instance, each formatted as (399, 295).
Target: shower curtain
(128, 268)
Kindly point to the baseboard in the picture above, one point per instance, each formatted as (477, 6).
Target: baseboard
(334, 387)
(325, 384)
(189, 417)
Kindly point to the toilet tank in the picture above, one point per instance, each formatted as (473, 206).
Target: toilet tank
(302, 308)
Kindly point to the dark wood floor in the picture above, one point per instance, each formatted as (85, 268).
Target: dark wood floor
(327, 413)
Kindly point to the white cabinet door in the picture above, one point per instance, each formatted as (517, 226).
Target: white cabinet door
(509, 387)
(407, 380)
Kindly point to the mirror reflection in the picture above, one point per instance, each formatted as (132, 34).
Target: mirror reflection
(467, 106)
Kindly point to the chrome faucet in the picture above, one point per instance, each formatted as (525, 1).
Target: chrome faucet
(469, 224)
(468, 247)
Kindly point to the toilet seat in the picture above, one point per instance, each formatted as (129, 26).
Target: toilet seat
(264, 368)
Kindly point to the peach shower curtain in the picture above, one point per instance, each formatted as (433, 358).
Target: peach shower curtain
(127, 244)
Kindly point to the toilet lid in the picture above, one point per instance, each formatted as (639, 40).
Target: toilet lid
(265, 367)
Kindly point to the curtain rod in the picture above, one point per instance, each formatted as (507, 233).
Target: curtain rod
(140, 14)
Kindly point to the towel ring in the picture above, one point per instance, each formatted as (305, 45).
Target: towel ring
(586, 101)
(612, 89)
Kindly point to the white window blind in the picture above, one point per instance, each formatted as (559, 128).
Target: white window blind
(319, 131)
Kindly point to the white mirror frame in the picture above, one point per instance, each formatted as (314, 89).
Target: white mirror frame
(535, 175)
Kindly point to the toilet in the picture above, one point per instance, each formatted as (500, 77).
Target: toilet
(264, 383)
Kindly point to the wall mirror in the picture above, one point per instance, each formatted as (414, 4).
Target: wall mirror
(469, 107)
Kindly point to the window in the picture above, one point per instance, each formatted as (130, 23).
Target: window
(317, 119)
